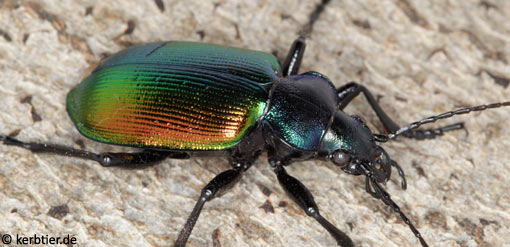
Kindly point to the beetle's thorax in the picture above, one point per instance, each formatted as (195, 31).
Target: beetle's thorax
(299, 113)
(303, 121)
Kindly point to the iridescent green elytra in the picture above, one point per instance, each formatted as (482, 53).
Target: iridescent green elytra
(174, 95)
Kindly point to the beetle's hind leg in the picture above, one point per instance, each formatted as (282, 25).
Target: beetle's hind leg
(349, 91)
(138, 160)
(145, 158)
(302, 196)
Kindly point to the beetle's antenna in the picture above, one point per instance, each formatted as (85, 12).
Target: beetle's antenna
(380, 193)
(415, 125)
(307, 29)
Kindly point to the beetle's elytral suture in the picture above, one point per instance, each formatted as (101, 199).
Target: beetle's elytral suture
(415, 125)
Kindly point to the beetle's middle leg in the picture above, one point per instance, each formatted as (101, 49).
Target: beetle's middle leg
(350, 90)
(292, 62)
(215, 188)
(145, 158)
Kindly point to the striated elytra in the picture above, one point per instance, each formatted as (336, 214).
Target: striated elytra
(182, 99)
(174, 95)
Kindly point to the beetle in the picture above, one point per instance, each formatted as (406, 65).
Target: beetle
(280, 151)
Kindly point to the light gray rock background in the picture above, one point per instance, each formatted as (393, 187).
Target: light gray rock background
(420, 57)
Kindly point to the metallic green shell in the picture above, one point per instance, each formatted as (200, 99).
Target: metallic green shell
(174, 95)
(300, 109)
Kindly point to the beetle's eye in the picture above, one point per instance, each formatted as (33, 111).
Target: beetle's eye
(341, 159)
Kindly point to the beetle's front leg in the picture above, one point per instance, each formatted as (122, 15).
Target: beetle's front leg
(349, 91)
(215, 188)
(145, 158)
(302, 196)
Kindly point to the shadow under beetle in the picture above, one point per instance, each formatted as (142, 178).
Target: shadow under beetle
(183, 99)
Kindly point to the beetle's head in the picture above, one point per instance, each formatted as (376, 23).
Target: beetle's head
(350, 145)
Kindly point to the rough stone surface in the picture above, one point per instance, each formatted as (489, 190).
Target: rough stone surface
(419, 57)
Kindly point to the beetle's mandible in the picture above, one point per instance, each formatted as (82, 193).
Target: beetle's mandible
(181, 100)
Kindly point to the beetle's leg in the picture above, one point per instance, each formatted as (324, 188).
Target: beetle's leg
(400, 173)
(302, 196)
(350, 90)
(217, 187)
(378, 192)
(293, 60)
(139, 160)
(126, 160)
(369, 190)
